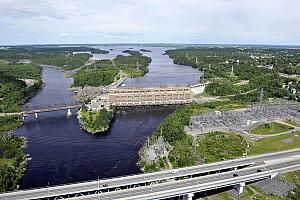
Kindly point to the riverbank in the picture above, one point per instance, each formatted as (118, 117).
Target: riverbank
(105, 72)
(177, 148)
(95, 121)
(170, 147)
(13, 160)
(18, 83)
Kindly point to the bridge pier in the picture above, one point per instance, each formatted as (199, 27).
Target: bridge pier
(188, 196)
(69, 113)
(23, 118)
(36, 115)
(273, 175)
(240, 187)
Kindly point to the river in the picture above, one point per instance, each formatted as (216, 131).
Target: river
(62, 152)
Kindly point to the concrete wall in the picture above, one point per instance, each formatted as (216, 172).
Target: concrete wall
(150, 96)
(198, 89)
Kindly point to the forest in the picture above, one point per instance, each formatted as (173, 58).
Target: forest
(227, 68)
(13, 91)
(11, 161)
(13, 95)
(104, 72)
(62, 57)
(96, 121)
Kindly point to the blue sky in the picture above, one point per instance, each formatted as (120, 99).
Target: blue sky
(150, 21)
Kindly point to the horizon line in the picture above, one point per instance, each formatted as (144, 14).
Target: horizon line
(152, 43)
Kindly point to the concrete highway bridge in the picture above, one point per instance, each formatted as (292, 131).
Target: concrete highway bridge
(47, 108)
(172, 183)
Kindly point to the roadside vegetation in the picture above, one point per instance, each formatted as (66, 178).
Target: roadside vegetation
(219, 146)
(271, 128)
(293, 123)
(276, 143)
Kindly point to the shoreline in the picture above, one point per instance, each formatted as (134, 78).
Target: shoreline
(97, 131)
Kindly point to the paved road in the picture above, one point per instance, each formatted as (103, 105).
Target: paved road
(181, 187)
(143, 178)
(121, 181)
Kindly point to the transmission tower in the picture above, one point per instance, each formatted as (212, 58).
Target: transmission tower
(261, 99)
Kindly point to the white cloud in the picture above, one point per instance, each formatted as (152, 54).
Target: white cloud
(181, 21)
(63, 35)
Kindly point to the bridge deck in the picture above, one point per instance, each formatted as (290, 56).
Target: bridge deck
(292, 157)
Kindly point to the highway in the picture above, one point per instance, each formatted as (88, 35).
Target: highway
(146, 179)
(182, 187)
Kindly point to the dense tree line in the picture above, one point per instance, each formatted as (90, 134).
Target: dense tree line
(261, 67)
(145, 50)
(133, 65)
(104, 72)
(11, 161)
(133, 53)
(8, 123)
(62, 57)
(13, 94)
(65, 61)
(96, 121)
(26, 71)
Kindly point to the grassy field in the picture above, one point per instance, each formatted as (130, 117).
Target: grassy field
(218, 146)
(293, 123)
(277, 143)
(271, 128)
(250, 193)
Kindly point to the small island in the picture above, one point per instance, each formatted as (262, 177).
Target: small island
(95, 121)
(145, 50)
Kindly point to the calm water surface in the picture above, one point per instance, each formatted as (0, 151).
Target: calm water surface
(162, 70)
(62, 152)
